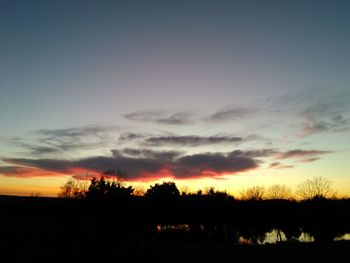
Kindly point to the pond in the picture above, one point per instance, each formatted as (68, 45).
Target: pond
(275, 236)
(271, 237)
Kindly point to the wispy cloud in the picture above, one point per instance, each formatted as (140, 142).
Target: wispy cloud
(301, 154)
(230, 113)
(147, 153)
(130, 136)
(255, 153)
(162, 117)
(55, 141)
(318, 110)
(192, 140)
(315, 122)
(279, 165)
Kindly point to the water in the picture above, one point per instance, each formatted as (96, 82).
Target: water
(272, 237)
(275, 236)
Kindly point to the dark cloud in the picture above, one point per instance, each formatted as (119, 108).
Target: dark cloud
(147, 164)
(162, 117)
(254, 153)
(192, 140)
(39, 150)
(138, 164)
(129, 136)
(206, 165)
(230, 114)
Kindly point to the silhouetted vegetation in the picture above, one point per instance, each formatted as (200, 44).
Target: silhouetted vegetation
(107, 188)
(315, 188)
(109, 216)
(255, 193)
(164, 191)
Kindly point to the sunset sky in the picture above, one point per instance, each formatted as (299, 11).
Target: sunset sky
(228, 94)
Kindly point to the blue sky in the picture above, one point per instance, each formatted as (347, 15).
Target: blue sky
(206, 78)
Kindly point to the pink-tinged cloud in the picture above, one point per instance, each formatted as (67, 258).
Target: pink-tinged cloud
(27, 172)
(144, 166)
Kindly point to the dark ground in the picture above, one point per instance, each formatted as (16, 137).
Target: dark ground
(38, 229)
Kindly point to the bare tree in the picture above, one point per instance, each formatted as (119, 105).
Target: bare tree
(73, 188)
(278, 191)
(317, 187)
(139, 191)
(253, 193)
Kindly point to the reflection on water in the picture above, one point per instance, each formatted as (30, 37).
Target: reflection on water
(165, 228)
(343, 237)
(276, 235)
(272, 237)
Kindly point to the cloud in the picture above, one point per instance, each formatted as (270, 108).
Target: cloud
(230, 114)
(46, 164)
(254, 153)
(74, 132)
(149, 164)
(309, 160)
(316, 123)
(55, 141)
(211, 165)
(301, 154)
(129, 136)
(146, 153)
(279, 165)
(162, 117)
(138, 165)
(177, 118)
(51, 141)
(319, 110)
(192, 140)
(27, 172)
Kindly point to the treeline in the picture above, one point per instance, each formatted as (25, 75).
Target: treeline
(104, 214)
(162, 211)
(109, 184)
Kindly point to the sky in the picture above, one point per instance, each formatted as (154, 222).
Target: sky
(228, 94)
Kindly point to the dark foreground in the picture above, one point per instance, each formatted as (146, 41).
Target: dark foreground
(145, 251)
(50, 229)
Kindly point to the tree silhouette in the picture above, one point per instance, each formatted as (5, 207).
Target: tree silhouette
(218, 195)
(166, 190)
(278, 191)
(73, 188)
(255, 193)
(108, 186)
(317, 187)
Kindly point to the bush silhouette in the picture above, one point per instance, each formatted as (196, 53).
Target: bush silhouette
(108, 188)
(166, 190)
